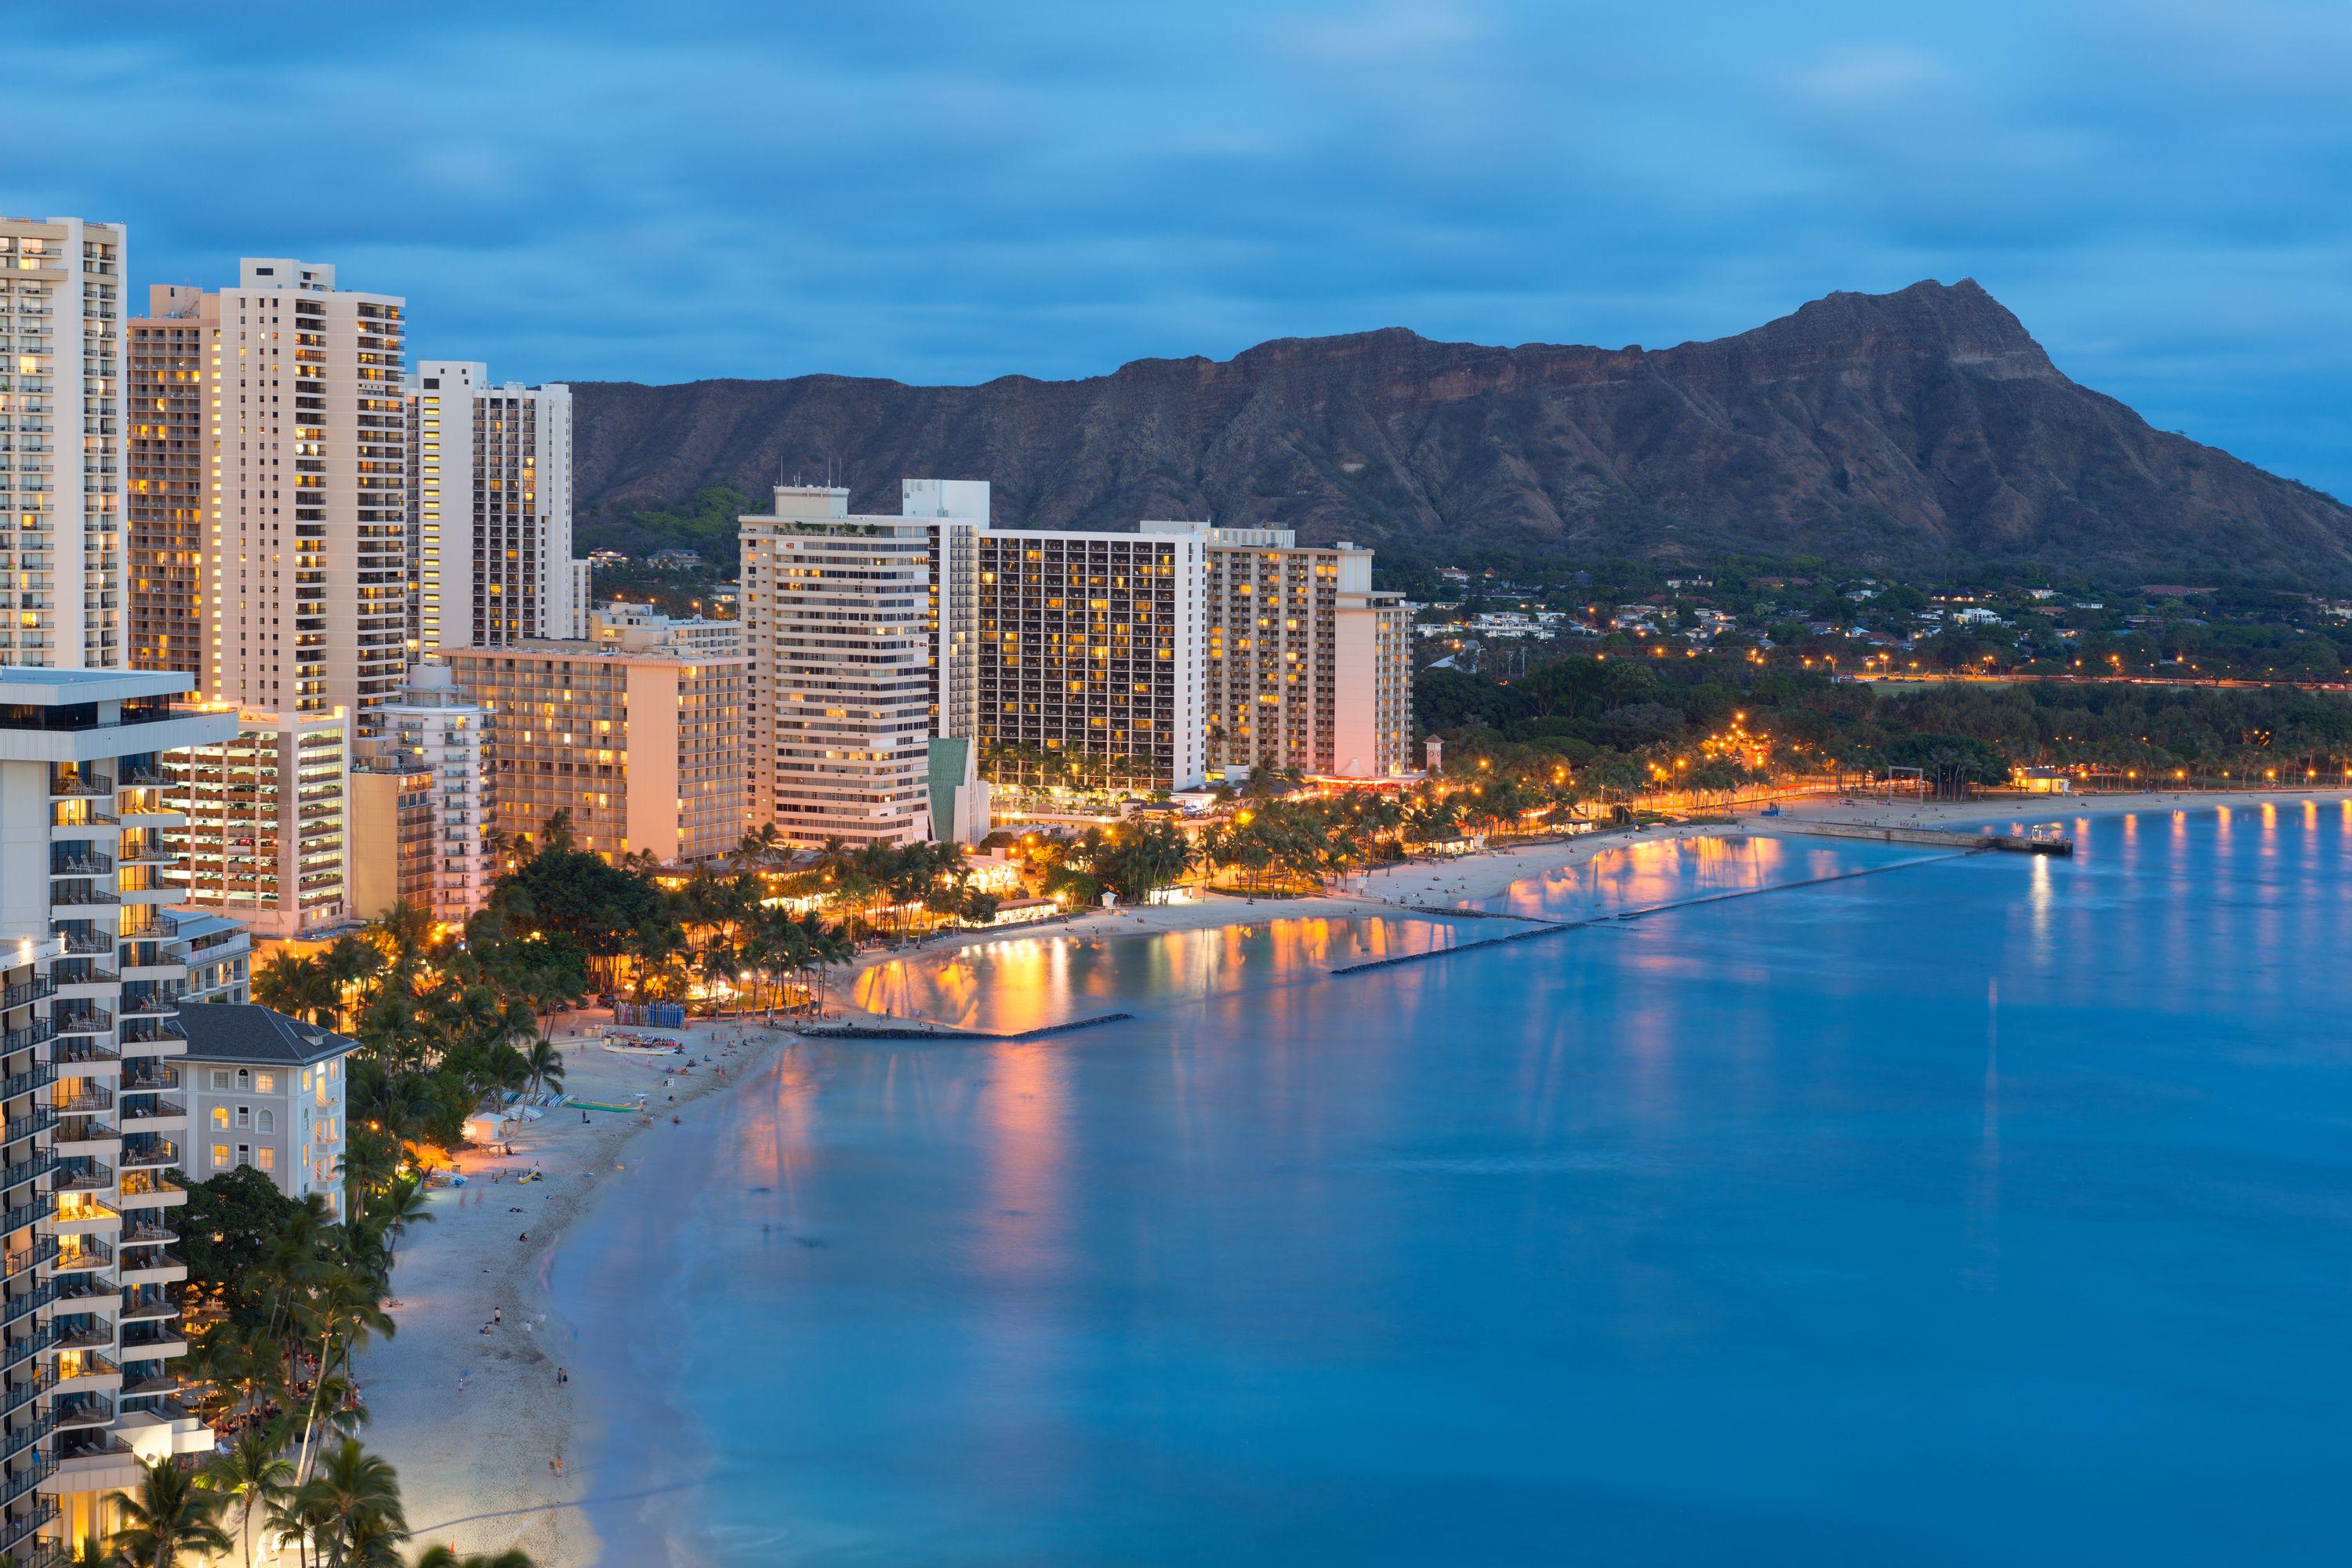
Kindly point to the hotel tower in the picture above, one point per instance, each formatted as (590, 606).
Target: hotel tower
(92, 1105)
(61, 443)
(490, 513)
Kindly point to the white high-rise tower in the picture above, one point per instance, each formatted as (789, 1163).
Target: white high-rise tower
(489, 511)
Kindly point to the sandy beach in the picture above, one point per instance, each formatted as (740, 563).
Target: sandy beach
(473, 1420)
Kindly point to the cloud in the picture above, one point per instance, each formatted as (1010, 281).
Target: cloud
(926, 190)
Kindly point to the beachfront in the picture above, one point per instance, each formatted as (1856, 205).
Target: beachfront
(475, 1460)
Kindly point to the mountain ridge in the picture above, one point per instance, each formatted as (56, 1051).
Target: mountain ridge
(1912, 429)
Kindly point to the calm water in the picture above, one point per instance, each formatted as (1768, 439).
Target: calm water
(1981, 1210)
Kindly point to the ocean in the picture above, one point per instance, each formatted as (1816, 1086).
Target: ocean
(1969, 1209)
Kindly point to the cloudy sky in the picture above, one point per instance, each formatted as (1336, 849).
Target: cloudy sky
(950, 191)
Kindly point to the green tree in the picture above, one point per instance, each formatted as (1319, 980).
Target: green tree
(170, 1518)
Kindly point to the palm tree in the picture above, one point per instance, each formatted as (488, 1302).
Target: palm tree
(256, 1475)
(353, 1507)
(169, 1518)
(439, 1556)
(298, 986)
(556, 836)
(546, 1064)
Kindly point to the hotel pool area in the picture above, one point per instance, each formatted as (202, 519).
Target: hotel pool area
(1987, 1209)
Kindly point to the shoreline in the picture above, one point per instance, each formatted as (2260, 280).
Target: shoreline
(473, 1466)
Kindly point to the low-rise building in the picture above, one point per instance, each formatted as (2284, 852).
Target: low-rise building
(266, 1091)
(645, 751)
(641, 629)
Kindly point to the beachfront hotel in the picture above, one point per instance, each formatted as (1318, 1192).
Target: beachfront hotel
(62, 480)
(848, 681)
(292, 453)
(266, 1093)
(489, 511)
(1308, 668)
(1091, 659)
(92, 1097)
(644, 747)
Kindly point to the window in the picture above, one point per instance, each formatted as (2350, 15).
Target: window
(306, 1077)
(244, 1156)
(267, 1123)
(220, 1156)
(266, 1158)
(265, 1083)
(220, 1078)
(220, 1116)
(245, 1116)
(243, 1079)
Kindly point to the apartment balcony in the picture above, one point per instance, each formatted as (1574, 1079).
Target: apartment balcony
(24, 1437)
(32, 1078)
(38, 1343)
(89, 942)
(146, 1191)
(83, 901)
(88, 1372)
(149, 1154)
(31, 1124)
(160, 1116)
(84, 1292)
(25, 1481)
(153, 1342)
(32, 1169)
(88, 1256)
(75, 862)
(29, 991)
(81, 1021)
(148, 1075)
(82, 1412)
(152, 1266)
(84, 977)
(86, 1217)
(148, 1230)
(84, 1176)
(68, 785)
(82, 1332)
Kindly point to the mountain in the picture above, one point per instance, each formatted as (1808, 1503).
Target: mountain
(1912, 430)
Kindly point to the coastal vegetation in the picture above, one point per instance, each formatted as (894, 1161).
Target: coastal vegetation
(1622, 724)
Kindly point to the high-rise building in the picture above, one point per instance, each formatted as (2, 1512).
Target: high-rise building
(170, 409)
(301, 577)
(92, 1098)
(643, 748)
(437, 726)
(1091, 664)
(62, 479)
(846, 665)
(1308, 668)
(489, 511)
(265, 836)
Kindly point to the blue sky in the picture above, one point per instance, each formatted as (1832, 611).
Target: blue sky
(2162, 191)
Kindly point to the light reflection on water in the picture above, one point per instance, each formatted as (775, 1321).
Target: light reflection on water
(1986, 1210)
(1014, 984)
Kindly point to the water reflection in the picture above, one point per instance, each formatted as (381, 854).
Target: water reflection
(1026, 982)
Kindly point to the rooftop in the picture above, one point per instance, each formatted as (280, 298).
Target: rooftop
(247, 1032)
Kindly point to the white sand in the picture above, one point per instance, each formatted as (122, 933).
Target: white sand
(473, 1465)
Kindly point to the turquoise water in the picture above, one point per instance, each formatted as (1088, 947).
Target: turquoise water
(1980, 1209)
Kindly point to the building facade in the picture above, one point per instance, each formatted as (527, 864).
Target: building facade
(644, 750)
(300, 429)
(1091, 665)
(436, 726)
(171, 359)
(62, 423)
(1307, 668)
(839, 624)
(392, 837)
(90, 1092)
(640, 629)
(489, 511)
(264, 836)
(266, 1092)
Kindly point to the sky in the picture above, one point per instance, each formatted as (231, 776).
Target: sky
(947, 192)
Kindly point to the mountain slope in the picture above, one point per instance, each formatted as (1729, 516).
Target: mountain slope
(1911, 429)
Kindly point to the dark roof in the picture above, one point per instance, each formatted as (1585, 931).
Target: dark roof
(246, 1032)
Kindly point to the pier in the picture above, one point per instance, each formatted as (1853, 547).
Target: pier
(2041, 841)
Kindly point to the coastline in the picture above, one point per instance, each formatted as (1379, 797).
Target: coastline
(473, 1465)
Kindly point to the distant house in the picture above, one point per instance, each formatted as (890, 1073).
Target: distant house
(2043, 781)
(607, 558)
(675, 560)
